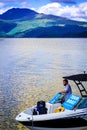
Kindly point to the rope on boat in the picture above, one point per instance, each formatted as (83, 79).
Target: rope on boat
(32, 120)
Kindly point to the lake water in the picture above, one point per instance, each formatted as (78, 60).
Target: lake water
(32, 70)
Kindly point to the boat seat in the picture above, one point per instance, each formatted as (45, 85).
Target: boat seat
(71, 102)
(82, 104)
(57, 98)
(51, 107)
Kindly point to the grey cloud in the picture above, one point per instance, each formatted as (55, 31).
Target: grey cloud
(65, 1)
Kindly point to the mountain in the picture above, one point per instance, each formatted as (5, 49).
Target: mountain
(18, 14)
(20, 23)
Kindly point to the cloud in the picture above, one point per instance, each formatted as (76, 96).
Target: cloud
(75, 12)
(8, 1)
(5, 9)
(52, 8)
(8, 4)
(17, 2)
(65, 1)
(1, 4)
(1, 7)
(24, 4)
(11, 1)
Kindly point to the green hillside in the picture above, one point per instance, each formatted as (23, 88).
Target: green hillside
(5, 27)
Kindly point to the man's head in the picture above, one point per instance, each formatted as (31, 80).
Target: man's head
(65, 82)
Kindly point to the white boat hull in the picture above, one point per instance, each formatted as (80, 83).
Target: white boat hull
(67, 120)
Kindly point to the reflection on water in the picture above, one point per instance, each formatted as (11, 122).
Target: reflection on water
(31, 70)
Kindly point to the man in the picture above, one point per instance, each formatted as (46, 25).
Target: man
(67, 89)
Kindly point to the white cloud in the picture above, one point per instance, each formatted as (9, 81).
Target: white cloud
(52, 8)
(1, 4)
(24, 4)
(75, 12)
(8, 4)
(4, 10)
(1, 7)
(83, 7)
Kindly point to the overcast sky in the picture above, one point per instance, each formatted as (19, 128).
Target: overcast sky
(73, 9)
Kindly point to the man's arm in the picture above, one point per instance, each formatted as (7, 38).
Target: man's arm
(63, 91)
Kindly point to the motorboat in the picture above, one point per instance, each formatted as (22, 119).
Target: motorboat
(57, 114)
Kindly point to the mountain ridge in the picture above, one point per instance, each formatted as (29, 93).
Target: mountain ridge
(28, 23)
